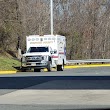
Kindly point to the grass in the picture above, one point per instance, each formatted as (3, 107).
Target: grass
(8, 63)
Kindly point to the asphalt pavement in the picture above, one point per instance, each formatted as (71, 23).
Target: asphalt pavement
(80, 88)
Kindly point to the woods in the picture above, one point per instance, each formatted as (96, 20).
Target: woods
(85, 23)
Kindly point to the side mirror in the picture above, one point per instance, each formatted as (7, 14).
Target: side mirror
(51, 52)
(55, 51)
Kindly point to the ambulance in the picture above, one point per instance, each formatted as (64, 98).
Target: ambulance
(47, 51)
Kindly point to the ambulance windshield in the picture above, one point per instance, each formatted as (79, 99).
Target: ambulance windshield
(38, 49)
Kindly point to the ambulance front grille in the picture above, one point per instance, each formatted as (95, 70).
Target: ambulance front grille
(34, 58)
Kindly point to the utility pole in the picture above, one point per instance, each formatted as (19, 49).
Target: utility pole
(51, 5)
(18, 48)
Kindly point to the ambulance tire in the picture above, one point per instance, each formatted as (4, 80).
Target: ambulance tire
(37, 70)
(23, 70)
(60, 67)
(49, 66)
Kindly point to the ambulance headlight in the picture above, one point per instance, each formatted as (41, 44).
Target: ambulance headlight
(45, 57)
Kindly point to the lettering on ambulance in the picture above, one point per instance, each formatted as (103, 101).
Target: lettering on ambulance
(48, 42)
(35, 42)
(41, 42)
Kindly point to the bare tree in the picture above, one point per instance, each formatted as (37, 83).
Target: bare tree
(85, 23)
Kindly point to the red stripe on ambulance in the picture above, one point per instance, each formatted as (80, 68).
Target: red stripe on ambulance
(54, 56)
(61, 52)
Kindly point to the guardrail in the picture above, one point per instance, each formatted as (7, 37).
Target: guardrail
(88, 61)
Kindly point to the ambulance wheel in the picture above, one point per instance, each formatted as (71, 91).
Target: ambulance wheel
(60, 67)
(49, 66)
(23, 69)
(37, 70)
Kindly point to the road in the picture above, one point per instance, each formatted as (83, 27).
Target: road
(71, 89)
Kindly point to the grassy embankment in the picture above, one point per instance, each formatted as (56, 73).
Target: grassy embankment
(8, 63)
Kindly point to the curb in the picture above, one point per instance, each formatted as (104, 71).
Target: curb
(87, 66)
(66, 67)
(8, 72)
